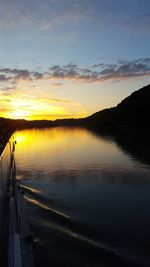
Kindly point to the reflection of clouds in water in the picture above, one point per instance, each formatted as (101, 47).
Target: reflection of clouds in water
(113, 175)
(107, 174)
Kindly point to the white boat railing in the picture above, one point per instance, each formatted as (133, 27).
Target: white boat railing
(15, 244)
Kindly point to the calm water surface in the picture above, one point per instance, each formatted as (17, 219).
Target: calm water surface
(84, 196)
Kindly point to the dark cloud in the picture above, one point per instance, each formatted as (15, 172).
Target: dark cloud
(4, 78)
(38, 75)
(86, 71)
(6, 70)
(14, 74)
(19, 74)
(22, 75)
(101, 65)
(55, 68)
(71, 66)
(7, 88)
(127, 69)
(123, 69)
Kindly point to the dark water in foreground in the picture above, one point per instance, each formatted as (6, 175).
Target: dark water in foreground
(87, 200)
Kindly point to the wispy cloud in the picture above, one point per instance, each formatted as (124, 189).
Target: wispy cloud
(59, 100)
(6, 110)
(56, 84)
(131, 15)
(42, 14)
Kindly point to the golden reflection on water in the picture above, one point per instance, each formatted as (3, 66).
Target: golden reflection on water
(64, 153)
(52, 136)
(76, 144)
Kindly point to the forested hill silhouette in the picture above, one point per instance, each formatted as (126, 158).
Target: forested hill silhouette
(132, 113)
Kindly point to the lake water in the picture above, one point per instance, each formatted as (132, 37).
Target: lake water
(86, 198)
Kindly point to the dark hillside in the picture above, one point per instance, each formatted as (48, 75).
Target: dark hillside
(132, 113)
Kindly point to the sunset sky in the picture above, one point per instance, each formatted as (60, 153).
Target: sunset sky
(71, 58)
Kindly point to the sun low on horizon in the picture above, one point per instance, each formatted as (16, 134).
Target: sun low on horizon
(70, 59)
(36, 108)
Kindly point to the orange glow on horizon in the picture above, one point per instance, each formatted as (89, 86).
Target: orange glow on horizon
(39, 109)
(21, 116)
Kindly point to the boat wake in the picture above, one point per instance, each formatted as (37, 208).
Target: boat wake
(56, 231)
